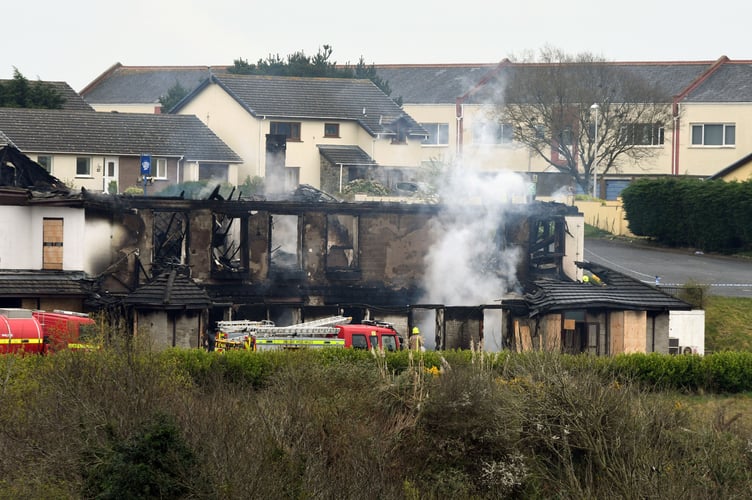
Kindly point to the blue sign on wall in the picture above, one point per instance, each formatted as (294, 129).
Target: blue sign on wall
(145, 164)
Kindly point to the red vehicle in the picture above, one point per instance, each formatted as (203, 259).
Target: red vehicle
(335, 331)
(66, 329)
(20, 332)
(369, 335)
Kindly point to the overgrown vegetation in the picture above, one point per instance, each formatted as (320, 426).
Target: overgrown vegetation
(126, 422)
(674, 211)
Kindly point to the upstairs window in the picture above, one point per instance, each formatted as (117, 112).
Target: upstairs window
(643, 134)
(52, 243)
(342, 241)
(438, 134)
(493, 132)
(713, 134)
(291, 130)
(331, 130)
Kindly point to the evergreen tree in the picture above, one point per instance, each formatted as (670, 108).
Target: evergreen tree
(320, 65)
(20, 93)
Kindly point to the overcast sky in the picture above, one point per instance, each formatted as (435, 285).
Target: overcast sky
(77, 40)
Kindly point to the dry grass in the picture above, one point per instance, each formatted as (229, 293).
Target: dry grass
(342, 429)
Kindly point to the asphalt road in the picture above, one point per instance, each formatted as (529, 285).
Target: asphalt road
(726, 276)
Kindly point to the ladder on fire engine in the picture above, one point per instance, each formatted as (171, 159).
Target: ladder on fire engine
(237, 332)
(324, 327)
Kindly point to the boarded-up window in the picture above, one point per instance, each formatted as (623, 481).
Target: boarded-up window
(52, 241)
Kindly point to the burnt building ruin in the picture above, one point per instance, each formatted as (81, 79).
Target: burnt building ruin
(169, 267)
(308, 256)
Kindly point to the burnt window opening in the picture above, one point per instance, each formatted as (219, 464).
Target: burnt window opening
(285, 240)
(342, 242)
(546, 246)
(170, 230)
(229, 244)
(400, 129)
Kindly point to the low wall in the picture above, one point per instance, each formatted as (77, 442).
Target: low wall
(606, 215)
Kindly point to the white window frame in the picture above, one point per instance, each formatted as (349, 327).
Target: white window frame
(435, 136)
(726, 129)
(48, 167)
(160, 168)
(87, 160)
(657, 134)
(493, 132)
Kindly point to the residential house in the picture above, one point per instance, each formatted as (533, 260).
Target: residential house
(710, 102)
(103, 151)
(457, 105)
(323, 132)
(138, 89)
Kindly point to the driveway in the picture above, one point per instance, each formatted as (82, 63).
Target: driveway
(727, 276)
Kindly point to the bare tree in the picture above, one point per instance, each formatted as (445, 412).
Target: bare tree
(553, 104)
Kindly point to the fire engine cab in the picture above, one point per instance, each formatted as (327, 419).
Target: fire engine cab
(334, 331)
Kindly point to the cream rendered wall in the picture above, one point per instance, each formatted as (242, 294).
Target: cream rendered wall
(22, 246)
(707, 160)
(126, 108)
(741, 174)
(235, 126)
(436, 113)
(64, 168)
(397, 155)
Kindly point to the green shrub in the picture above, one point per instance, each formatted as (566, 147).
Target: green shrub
(154, 463)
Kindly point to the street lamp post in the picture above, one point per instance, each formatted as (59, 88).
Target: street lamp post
(595, 159)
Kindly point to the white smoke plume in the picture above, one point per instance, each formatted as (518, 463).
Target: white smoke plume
(469, 264)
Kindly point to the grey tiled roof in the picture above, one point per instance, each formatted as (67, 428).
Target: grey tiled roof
(618, 292)
(316, 99)
(80, 132)
(668, 78)
(73, 101)
(345, 155)
(431, 83)
(170, 291)
(143, 84)
(21, 283)
(731, 82)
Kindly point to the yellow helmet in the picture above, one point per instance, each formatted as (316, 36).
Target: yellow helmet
(585, 279)
(416, 331)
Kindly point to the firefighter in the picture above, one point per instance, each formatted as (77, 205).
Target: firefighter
(415, 341)
(211, 339)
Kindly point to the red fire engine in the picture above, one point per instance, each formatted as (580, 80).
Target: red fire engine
(20, 332)
(66, 329)
(24, 330)
(335, 331)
